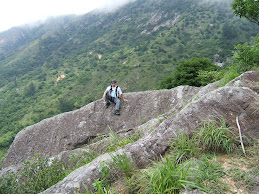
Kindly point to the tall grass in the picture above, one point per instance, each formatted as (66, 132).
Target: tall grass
(185, 146)
(123, 162)
(166, 176)
(215, 137)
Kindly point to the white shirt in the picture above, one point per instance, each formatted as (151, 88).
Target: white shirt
(119, 92)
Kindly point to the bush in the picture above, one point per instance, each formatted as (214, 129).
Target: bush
(187, 73)
(207, 77)
(65, 105)
(230, 74)
(247, 57)
(36, 176)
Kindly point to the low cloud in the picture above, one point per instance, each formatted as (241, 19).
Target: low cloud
(112, 5)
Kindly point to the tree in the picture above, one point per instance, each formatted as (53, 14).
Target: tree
(65, 105)
(30, 91)
(187, 73)
(247, 57)
(247, 8)
(229, 31)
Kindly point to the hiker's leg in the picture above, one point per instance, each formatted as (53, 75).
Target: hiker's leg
(107, 99)
(117, 102)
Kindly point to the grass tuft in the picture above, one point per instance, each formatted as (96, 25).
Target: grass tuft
(215, 137)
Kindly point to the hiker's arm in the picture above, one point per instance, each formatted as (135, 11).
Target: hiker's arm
(104, 94)
(123, 98)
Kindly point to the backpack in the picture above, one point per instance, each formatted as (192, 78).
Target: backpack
(116, 93)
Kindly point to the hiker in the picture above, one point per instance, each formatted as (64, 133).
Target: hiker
(113, 94)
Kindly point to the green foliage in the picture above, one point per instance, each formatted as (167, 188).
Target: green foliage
(208, 176)
(122, 161)
(116, 143)
(79, 160)
(167, 176)
(105, 171)
(30, 90)
(247, 57)
(229, 31)
(187, 73)
(185, 146)
(247, 8)
(245, 177)
(6, 139)
(209, 76)
(65, 105)
(215, 136)
(230, 73)
(36, 176)
(103, 185)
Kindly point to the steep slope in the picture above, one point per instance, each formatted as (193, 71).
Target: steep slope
(138, 44)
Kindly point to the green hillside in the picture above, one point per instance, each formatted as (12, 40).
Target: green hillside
(138, 44)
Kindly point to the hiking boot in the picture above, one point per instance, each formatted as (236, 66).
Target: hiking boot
(117, 112)
(107, 105)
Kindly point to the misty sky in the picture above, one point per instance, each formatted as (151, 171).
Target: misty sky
(19, 12)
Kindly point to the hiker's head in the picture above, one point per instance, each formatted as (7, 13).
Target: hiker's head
(113, 82)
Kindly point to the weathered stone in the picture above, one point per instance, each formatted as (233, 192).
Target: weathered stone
(226, 102)
(74, 129)
(248, 79)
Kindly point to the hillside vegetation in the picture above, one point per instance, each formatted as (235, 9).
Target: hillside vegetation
(47, 70)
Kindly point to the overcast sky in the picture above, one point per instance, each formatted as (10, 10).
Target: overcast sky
(19, 12)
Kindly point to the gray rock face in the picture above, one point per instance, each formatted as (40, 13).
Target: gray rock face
(226, 102)
(248, 79)
(71, 130)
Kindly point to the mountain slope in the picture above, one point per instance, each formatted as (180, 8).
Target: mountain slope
(137, 44)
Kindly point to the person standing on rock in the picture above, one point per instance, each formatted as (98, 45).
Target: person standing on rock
(113, 94)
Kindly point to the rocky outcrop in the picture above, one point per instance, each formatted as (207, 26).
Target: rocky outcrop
(74, 129)
(226, 102)
(249, 79)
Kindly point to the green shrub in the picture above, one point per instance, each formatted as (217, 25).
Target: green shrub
(230, 74)
(187, 73)
(36, 176)
(9, 184)
(247, 57)
(207, 77)
(79, 160)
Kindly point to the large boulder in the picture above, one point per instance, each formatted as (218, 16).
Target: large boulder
(248, 79)
(72, 130)
(226, 102)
